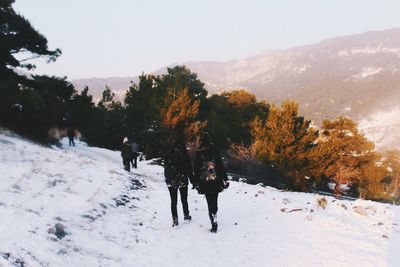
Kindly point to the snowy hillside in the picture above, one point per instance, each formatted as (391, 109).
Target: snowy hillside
(383, 128)
(349, 75)
(114, 218)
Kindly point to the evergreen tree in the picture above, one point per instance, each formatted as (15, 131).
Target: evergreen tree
(107, 100)
(181, 114)
(371, 181)
(82, 113)
(229, 117)
(244, 108)
(143, 104)
(28, 105)
(180, 78)
(387, 186)
(16, 36)
(108, 124)
(284, 141)
(147, 103)
(219, 126)
(342, 148)
(41, 106)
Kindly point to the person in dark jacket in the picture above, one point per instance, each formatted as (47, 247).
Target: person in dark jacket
(210, 176)
(135, 153)
(71, 136)
(126, 153)
(177, 172)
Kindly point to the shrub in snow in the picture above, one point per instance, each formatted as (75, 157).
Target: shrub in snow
(322, 202)
(58, 230)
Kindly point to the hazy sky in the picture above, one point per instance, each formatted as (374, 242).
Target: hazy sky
(103, 38)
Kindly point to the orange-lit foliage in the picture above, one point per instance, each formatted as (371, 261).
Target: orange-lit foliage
(181, 114)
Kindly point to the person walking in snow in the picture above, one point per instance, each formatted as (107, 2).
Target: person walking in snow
(126, 153)
(177, 172)
(71, 136)
(135, 154)
(210, 177)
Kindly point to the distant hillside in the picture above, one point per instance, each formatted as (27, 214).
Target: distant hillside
(352, 75)
(356, 75)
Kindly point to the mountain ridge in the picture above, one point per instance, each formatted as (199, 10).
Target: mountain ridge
(353, 75)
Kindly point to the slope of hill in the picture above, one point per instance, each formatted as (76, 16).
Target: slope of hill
(356, 76)
(383, 128)
(77, 207)
(353, 75)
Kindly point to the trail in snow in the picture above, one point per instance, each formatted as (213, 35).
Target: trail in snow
(115, 218)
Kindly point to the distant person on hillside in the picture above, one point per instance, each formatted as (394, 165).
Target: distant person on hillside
(210, 176)
(126, 154)
(71, 136)
(177, 171)
(135, 154)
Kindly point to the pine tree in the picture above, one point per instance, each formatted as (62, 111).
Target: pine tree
(391, 183)
(28, 106)
(229, 117)
(180, 78)
(285, 141)
(107, 126)
(17, 35)
(343, 153)
(107, 101)
(143, 103)
(181, 114)
(149, 115)
(371, 182)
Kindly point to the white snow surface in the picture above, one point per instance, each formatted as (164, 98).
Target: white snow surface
(367, 72)
(371, 51)
(383, 127)
(258, 226)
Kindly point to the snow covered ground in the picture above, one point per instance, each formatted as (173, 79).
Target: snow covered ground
(115, 218)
